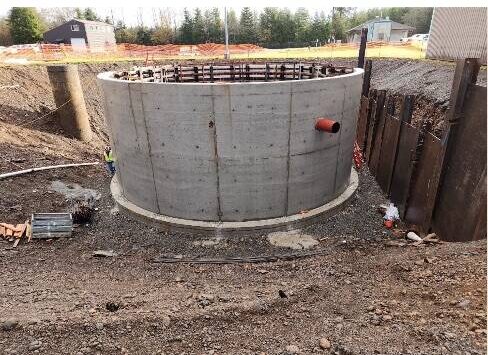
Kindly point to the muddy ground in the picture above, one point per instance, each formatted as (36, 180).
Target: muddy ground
(370, 291)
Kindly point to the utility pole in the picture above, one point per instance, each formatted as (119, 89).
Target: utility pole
(226, 29)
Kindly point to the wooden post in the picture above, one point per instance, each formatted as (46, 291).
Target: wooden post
(362, 47)
(376, 110)
(68, 95)
(389, 152)
(466, 73)
(367, 78)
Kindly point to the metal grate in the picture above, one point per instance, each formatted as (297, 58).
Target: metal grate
(51, 225)
(236, 72)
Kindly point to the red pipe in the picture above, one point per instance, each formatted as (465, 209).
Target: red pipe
(327, 125)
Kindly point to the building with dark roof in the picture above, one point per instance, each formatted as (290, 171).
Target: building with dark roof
(380, 29)
(81, 34)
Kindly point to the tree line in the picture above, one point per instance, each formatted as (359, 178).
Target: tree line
(271, 27)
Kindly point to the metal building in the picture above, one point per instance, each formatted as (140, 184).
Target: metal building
(380, 29)
(458, 32)
(82, 34)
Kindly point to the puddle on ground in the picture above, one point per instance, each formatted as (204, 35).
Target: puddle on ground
(294, 239)
(74, 191)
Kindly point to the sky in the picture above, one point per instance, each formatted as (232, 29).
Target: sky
(124, 9)
(130, 14)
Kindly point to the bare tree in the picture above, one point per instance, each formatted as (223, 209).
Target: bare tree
(55, 16)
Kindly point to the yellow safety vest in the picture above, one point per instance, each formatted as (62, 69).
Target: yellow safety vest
(108, 157)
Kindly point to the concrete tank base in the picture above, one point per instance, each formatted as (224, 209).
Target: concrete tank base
(228, 228)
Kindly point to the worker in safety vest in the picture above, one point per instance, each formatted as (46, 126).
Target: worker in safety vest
(109, 160)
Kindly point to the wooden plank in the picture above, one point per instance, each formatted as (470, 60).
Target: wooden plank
(466, 73)
(378, 140)
(462, 195)
(367, 78)
(402, 173)
(371, 127)
(362, 122)
(424, 184)
(362, 47)
(372, 99)
(388, 152)
(376, 111)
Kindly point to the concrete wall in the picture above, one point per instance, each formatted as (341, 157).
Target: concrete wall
(231, 151)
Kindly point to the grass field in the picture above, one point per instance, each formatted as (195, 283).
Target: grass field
(340, 51)
(337, 52)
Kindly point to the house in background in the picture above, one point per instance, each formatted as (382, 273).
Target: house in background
(82, 34)
(457, 33)
(380, 29)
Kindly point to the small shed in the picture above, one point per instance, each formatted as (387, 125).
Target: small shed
(82, 34)
(380, 29)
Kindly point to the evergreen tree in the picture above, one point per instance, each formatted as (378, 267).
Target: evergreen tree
(198, 27)
(338, 25)
(267, 19)
(247, 26)
(319, 28)
(143, 36)
(215, 27)
(283, 29)
(232, 25)
(302, 24)
(186, 29)
(25, 25)
(90, 15)
(418, 17)
(79, 14)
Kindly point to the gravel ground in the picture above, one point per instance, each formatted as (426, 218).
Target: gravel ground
(368, 292)
(364, 295)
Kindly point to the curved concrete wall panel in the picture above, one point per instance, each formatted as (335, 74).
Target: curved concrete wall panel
(231, 151)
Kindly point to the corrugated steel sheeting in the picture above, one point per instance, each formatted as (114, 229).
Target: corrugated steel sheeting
(457, 33)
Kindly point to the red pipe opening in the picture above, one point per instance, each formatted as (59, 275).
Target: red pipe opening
(327, 125)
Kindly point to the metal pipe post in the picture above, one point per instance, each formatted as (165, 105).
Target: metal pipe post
(226, 53)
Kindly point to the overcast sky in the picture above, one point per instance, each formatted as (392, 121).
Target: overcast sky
(124, 9)
(130, 14)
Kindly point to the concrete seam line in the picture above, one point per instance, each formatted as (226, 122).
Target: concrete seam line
(149, 149)
(339, 140)
(50, 167)
(289, 151)
(216, 150)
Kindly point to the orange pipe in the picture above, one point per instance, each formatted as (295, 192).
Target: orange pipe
(327, 125)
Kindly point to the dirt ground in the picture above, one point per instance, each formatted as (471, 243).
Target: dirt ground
(369, 291)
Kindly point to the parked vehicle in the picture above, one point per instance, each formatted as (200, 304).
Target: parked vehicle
(420, 37)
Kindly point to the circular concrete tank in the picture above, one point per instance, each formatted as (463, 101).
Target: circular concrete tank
(230, 151)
